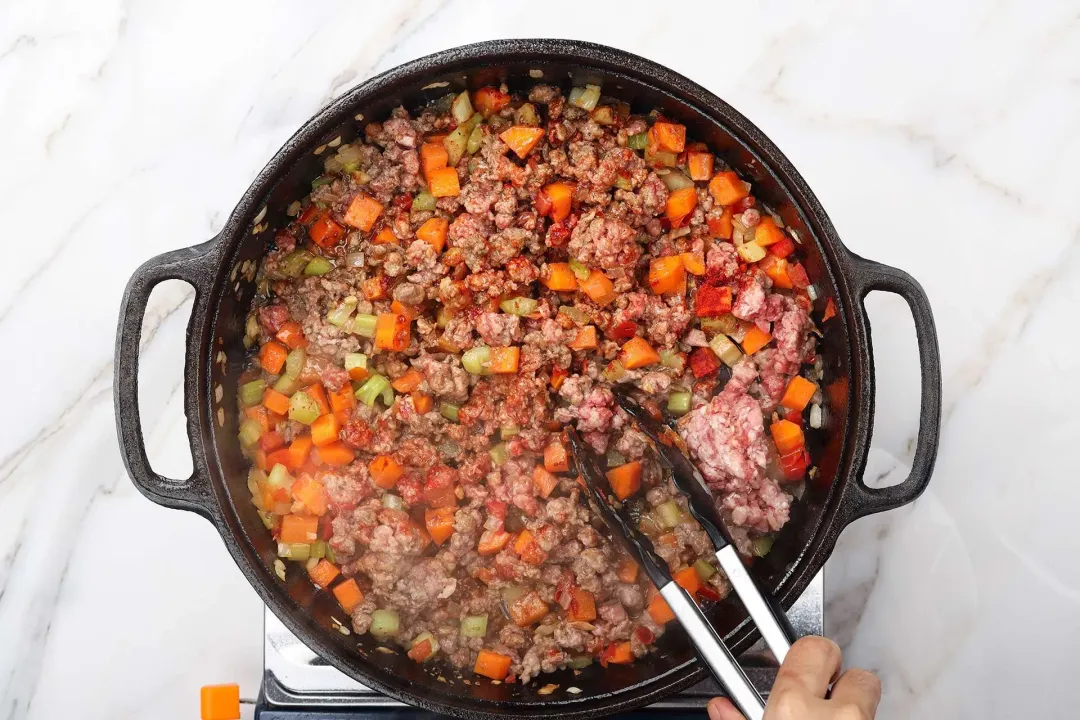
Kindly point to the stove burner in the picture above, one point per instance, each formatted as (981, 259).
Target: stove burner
(297, 683)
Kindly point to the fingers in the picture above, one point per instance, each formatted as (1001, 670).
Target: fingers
(859, 688)
(722, 709)
(811, 665)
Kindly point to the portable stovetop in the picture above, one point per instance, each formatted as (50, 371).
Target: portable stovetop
(299, 685)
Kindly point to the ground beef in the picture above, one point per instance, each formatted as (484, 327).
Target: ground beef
(604, 243)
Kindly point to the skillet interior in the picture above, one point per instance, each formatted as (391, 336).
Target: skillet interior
(799, 550)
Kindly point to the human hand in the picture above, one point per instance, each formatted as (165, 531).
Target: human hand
(812, 664)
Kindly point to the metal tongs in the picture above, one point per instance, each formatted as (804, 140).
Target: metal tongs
(763, 609)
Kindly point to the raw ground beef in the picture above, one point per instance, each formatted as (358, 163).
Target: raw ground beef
(404, 420)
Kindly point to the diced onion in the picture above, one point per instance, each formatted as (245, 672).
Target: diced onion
(812, 292)
(751, 252)
(461, 107)
(355, 259)
(393, 502)
(585, 98)
(279, 569)
(815, 416)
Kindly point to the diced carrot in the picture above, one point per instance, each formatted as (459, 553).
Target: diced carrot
(625, 480)
(798, 394)
(783, 248)
(363, 211)
(323, 573)
(556, 459)
(528, 549)
(659, 610)
(617, 654)
(505, 360)
(492, 541)
(337, 454)
(280, 456)
(787, 435)
(299, 449)
(528, 609)
(292, 335)
(385, 236)
(727, 188)
(489, 100)
(722, 227)
(777, 270)
(259, 415)
(599, 288)
(680, 204)
(755, 339)
(433, 232)
(392, 332)
(712, 301)
(700, 164)
(440, 523)
(521, 138)
(275, 402)
(409, 381)
(627, 571)
(444, 182)
(433, 156)
(349, 595)
(559, 197)
(558, 376)
(545, 482)
(436, 137)
(688, 579)
(666, 274)
(219, 702)
(585, 339)
(272, 357)
(400, 308)
(693, 262)
(767, 232)
(260, 460)
(324, 232)
(670, 136)
(492, 665)
(637, 352)
(312, 494)
(271, 441)
(385, 471)
(325, 430)
(558, 277)
(830, 310)
(358, 373)
(582, 605)
(422, 402)
(316, 392)
(299, 529)
(374, 288)
(342, 402)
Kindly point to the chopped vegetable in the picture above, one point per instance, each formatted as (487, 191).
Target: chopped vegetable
(385, 236)
(675, 180)
(318, 266)
(599, 288)
(585, 339)
(637, 353)
(726, 350)
(365, 325)
(294, 263)
(670, 136)
(558, 196)
(299, 529)
(433, 156)
(449, 411)
(688, 579)
(461, 108)
(727, 188)
(528, 609)
(392, 332)
(627, 571)
(499, 454)
(372, 388)
(558, 277)
(670, 514)
(477, 360)
(440, 523)
(767, 232)
(433, 232)
(490, 100)
(519, 305)
(582, 605)
(704, 569)
(250, 432)
(326, 233)
(444, 183)
(700, 164)
(585, 98)
(674, 360)
(678, 403)
(384, 624)
(385, 471)
(272, 357)
(625, 480)
(424, 646)
(787, 435)
(798, 394)
(694, 263)
(363, 211)
(303, 408)
(526, 546)
(316, 392)
(637, 142)
(755, 339)
(680, 204)
(667, 274)
(762, 545)
(348, 595)
(325, 430)
(750, 252)
(659, 610)
(521, 139)
(581, 270)
(299, 449)
(544, 481)
(617, 654)
(492, 541)
(251, 393)
(354, 362)
(422, 402)
(340, 314)
(423, 202)
(475, 141)
(614, 371)
(556, 458)
(492, 665)
(722, 227)
(323, 573)
(457, 142)
(337, 454)
(312, 494)
(505, 360)
(408, 382)
(292, 335)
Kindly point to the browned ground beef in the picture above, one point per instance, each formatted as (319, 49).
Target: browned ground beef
(468, 443)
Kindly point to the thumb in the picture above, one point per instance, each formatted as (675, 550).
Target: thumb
(722, 709)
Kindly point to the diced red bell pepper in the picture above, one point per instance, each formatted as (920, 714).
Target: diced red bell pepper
(713, 301)
(783, 248)
(624, 330)
(703, 362)
(795, 463)
(799, 279)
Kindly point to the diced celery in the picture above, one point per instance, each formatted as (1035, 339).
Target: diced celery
(508, 431)
(624, 183)
(294, 263)
(330, 554)
(393, 502)
(458, 140)
(762, 545)
(614, 458)
(579, 662)
(585, 98)
(388, 396)
(673, 359)
(678, 403)
(428, 638)
(364, 325)
(287, 385)
(384, 624)
(661, 158)
(424, 201)
(575, 313)
(269, 519)
(581, 270)
(499, 455)
(726, 324)
(251, 393)
(340, 314)
(526, 115)
(318, 266)
(250, 432)
(476, 139)
(279, 477)
(303, 408)
(704, 569)
(318, 549)
(614, 371)
(298, 552)
(311, 563)
(518, 305)
(449, 411)
(477, 360)
(371, 389)
(461, 107)
(355, 360)
(474, 626)
(295, 361)
(670, 514)
(726, 350)
(637, 142)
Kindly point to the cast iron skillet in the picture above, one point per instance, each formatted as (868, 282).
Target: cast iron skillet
(221, 271)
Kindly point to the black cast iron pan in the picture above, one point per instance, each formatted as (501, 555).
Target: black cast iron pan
(222, 269)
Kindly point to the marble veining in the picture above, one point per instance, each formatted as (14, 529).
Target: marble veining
(941, 138)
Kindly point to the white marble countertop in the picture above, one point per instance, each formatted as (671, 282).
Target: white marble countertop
(941, 138)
